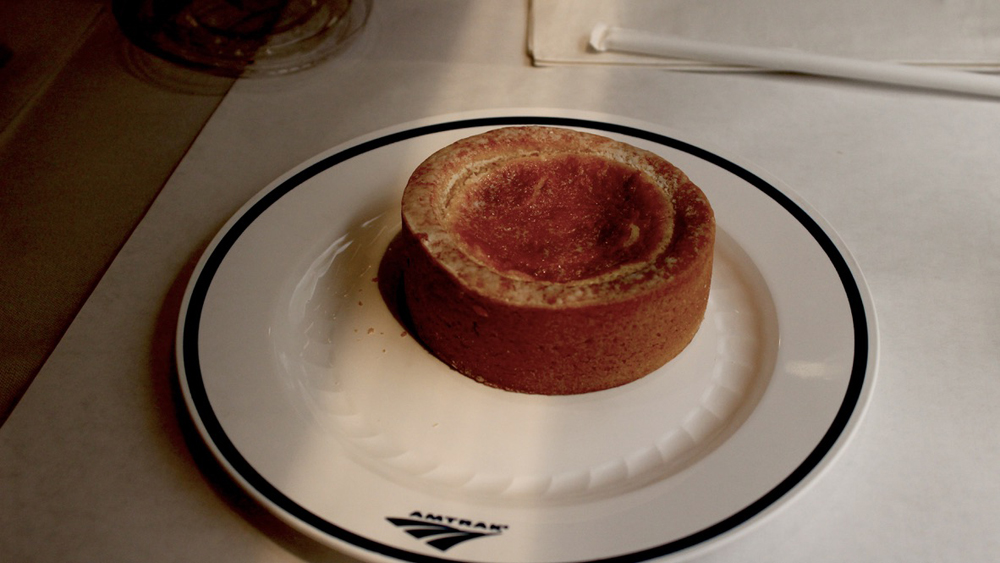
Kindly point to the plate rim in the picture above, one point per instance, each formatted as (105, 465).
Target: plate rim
(841, 428)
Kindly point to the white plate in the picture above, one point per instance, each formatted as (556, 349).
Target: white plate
(323, 408)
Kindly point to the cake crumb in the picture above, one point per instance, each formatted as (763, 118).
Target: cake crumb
(371, 331)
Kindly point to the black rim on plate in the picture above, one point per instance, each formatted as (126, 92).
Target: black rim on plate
(190, 358)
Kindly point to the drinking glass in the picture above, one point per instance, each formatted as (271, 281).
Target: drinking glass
(242, 37)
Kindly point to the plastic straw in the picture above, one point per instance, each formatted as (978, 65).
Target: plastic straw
(608, 38)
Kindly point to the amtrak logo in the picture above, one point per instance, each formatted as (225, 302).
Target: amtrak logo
(445, 532)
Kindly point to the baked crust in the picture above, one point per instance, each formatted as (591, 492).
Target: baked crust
(552, 261)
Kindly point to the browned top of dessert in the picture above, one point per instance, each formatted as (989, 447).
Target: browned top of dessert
(559, 218)
(546, 216)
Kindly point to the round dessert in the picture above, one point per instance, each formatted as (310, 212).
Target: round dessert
(552, 261)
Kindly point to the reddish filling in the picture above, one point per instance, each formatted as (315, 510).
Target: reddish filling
(560, 218)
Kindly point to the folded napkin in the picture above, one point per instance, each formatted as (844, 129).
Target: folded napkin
(961, 34)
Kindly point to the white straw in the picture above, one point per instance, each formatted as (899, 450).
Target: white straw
(607, 38)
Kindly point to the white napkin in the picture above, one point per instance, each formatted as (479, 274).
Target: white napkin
(949, 33)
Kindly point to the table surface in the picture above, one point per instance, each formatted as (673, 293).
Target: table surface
(97, 463)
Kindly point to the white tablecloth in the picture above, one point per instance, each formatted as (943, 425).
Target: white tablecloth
(94, 465)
